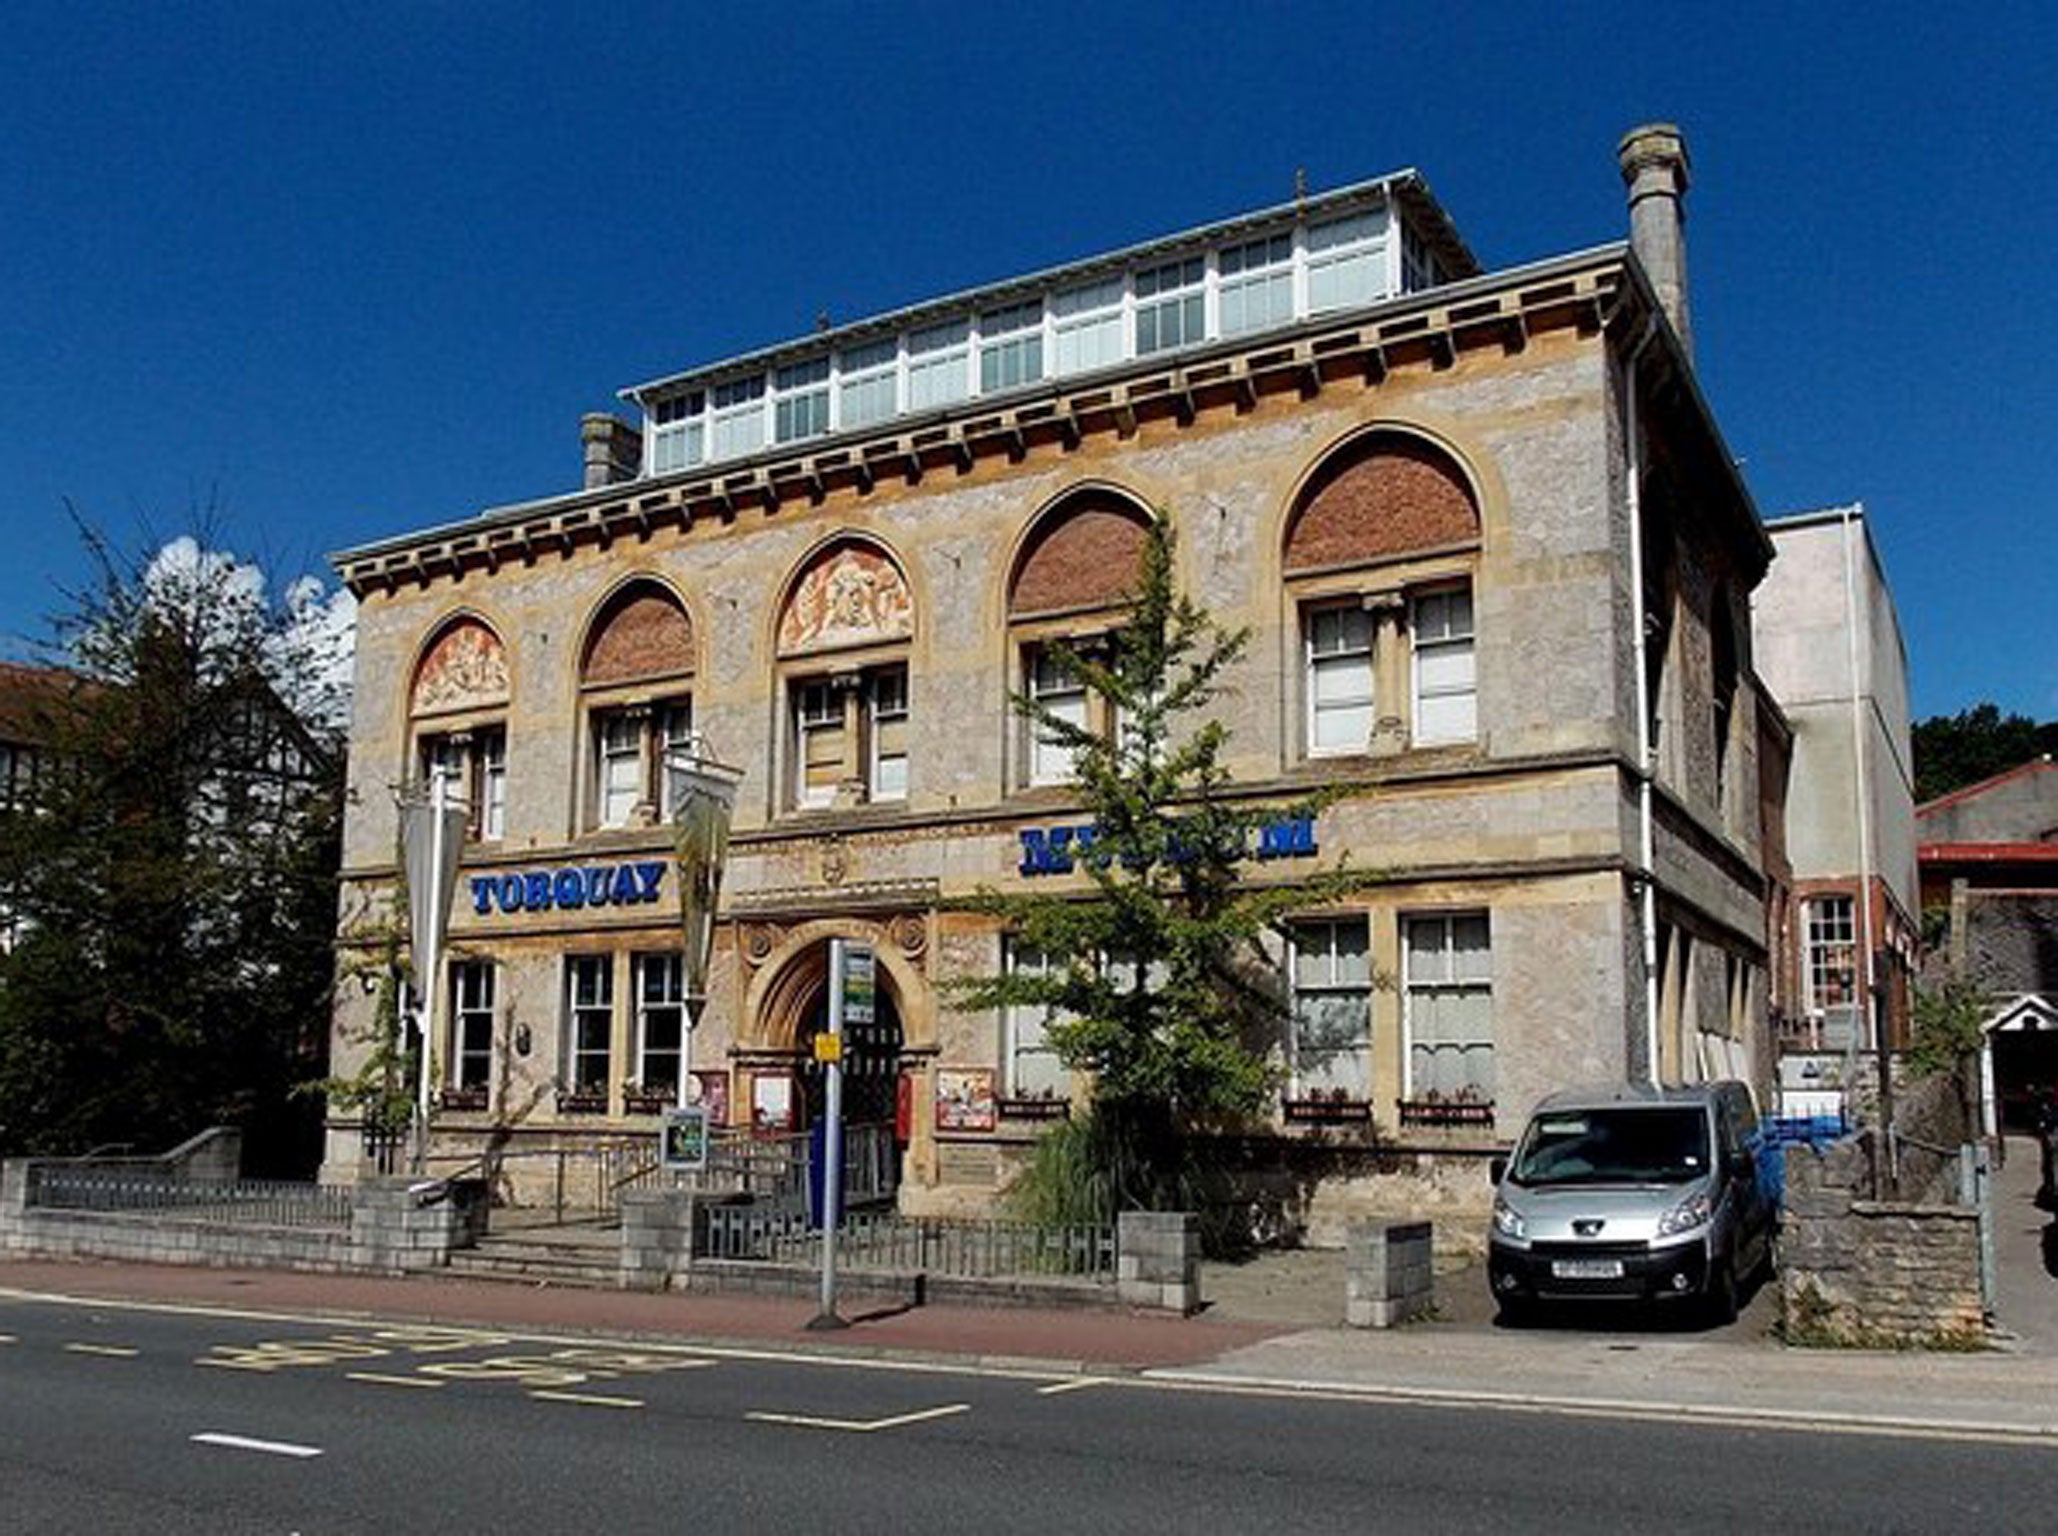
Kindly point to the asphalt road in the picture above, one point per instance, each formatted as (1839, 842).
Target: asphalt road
(132, 1419)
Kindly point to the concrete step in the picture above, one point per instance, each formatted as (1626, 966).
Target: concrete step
(589, 1269)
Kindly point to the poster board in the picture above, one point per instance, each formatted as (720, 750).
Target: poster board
(964, 1099)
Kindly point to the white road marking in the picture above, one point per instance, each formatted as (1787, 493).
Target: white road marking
(590, 1399)
(378, 1380)
(245, 1443)
(8, 1338)
(112, 1351)
(1076, 1384)
(860, 1426)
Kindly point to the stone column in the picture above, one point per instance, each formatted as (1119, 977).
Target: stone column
(1157, 1261)
(1390, 688)
(657, 1237)
(1388, 1277)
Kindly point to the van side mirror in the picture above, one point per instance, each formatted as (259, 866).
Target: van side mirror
(1497, 1170)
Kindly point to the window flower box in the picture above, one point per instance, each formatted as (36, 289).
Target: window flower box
(1445, 1114)
(466, 1096)
(582, 1101)
(1327, 1109)
(1034, 1109)
(637, 1100)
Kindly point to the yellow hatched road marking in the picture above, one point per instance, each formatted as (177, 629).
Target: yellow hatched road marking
(112, 1351)
(860, 1426)
(590, 1399)
(385, 1381)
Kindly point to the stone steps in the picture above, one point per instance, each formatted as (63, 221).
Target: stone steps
(532, 1260)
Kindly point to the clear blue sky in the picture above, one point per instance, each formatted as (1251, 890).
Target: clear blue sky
(356, 269)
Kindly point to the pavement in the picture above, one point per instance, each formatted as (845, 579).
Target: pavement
(1273, 1327)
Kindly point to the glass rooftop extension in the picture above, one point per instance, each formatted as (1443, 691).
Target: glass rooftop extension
(1323, 254)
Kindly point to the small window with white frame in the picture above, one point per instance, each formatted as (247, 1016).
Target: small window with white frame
(850, 736)
(1447, 1010)
(939, 362)
(1331, 1047)
(1171, 306)
(1831, 976)
(1446, 704)
(660, 989)
(473, 765)
(1347, 262)
(1010, 347)
(1059, 689)
(1087, 326)
(1032, 1069)
(738, 422)
(886, 706)
(800, 407)
(1255, 290)
(630, 744)
(678, 432)
(868, 383)
(589, 1022)
(471, 1025)
(1338, 640)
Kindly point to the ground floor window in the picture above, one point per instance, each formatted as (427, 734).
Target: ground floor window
(1448, 1007)
(471, 991)
(1832, 962)
(1332, 1009)
(660, 1022)
(589, 1021)
(1032, 1069)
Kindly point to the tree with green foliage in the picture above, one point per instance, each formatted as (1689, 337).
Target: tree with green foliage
(1161, 984)
(1952, 751)
(171, 882)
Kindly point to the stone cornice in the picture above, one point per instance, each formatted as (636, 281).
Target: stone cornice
(1428, 329)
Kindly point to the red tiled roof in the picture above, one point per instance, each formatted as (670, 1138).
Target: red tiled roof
(2034, 765)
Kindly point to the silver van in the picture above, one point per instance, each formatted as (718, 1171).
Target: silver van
(1633, 1192)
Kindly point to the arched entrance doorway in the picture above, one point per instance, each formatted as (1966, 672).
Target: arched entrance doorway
(796, 1009)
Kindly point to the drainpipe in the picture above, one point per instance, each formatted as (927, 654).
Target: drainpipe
(1647, 858)
(1862, 780)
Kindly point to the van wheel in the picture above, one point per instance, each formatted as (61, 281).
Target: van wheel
(1719, 1306)
(1514, 1311)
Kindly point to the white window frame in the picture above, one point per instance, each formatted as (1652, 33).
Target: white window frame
(1339, 248)
(1175, 289)
(678, 432)
(619, 751)
(1830, 925)
(1049, 761)
(737, 426)
(1451, 644)
(472, 987)
(886, 703)
(1024, 1030)
(860, 373)
(474, 763)
(671, 727)
(596, 1009)
(1335, 981)
(668, 969)
(817, 706)
(1418, 986)
(939, 366)
(1088, 312)
(801, 393)
(1315, 665)
(1011, 335)
(1269, 273)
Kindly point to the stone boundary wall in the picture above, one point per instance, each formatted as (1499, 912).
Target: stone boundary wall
(1870, 1273)
(1389, 1275)
(394, 1229)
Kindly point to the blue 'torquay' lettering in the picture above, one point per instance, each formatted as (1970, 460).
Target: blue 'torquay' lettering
(511, 888)
(569, 888)
(482, 894)
(651, 875)
(537, 896)
(625, 893)
(596, 887)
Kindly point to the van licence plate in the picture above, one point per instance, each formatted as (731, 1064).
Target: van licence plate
(1586, 1269)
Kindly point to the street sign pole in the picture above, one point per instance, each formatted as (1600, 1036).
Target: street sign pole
(832, 1144)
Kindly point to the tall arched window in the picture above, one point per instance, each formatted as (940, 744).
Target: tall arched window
(1379, 556)
(635, 686)
(1072, 582)
(457, 712)
(843, 638)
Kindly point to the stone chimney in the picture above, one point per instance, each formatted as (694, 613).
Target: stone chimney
(614, 449)
(1655, 169)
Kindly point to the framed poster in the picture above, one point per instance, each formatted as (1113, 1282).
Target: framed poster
(771, 1101)
(685, 1137)
(712, 1092)
(964, 1099)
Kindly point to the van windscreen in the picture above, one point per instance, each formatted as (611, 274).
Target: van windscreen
(1614, 1146)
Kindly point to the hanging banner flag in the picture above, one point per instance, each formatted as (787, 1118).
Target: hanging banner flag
(704, 796)
(431, 860)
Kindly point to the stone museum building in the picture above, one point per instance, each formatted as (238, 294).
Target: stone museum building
(1496, 563)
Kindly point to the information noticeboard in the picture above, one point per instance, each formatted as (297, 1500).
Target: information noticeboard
(860, 983)
(685, 1137)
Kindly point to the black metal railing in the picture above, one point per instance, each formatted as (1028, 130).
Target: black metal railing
(866, 1241)
(248, 1202)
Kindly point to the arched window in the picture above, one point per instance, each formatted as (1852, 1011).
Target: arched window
(1072, 582)
(635, 679)
(457, 711)
(1379, 555)
(843, 638)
